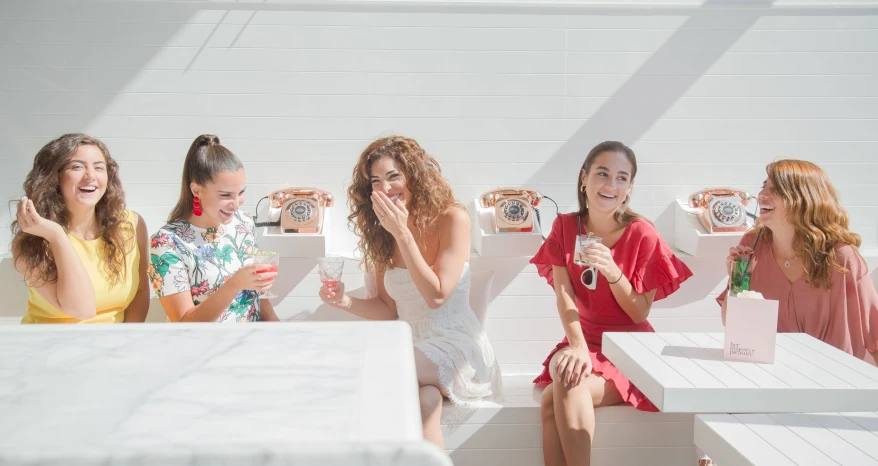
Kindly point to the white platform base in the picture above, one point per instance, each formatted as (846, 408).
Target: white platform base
(691, 237)
(490, 244)
(294, 244)
(508, 432)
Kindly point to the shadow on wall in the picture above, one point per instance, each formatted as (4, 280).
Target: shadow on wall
(707, 272)
(90, 65)
(662, 80)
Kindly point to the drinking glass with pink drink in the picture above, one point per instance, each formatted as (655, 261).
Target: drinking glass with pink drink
(330, 268)
(268, 262)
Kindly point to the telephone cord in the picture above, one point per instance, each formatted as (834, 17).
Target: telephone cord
(256, 217)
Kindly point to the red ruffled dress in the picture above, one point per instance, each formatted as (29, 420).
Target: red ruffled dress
(647, 262)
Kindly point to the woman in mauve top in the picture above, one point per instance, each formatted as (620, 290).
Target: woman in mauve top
(807, 259)
(634, 268)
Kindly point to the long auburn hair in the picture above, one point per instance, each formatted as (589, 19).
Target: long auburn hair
(206, 158)
(43, 186)
(624, 215)
(814, 211)
(431, 195)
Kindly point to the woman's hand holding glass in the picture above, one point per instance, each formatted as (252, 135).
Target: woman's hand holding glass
(330, 269)
(739, 264)
(736, 253)
(599, 257)
(252, 277)
(268, 261)
(334, 295)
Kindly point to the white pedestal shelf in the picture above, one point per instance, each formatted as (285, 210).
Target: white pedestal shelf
(294, 244)
(490, 244)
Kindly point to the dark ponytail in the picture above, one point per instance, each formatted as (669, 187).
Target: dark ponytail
(205, 159)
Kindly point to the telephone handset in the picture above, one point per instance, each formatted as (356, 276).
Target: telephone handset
(301, 208)
(513, 208)
(721, 209)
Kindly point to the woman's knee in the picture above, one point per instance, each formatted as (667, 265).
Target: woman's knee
(431, 399)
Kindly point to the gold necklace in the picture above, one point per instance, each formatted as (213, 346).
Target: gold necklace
(786, 263)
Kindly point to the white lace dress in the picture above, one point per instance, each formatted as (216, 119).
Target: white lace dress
(450, 336)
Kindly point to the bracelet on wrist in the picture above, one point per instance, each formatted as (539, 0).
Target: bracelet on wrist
(617, 280)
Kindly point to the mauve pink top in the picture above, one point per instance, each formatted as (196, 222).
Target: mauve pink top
(845, 316)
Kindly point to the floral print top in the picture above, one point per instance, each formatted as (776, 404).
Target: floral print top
(184, 257)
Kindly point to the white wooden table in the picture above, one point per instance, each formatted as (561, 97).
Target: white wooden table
(686, 372)
(337, 393)
(789, 439)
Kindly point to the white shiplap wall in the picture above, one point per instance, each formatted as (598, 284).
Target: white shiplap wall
(502, 93)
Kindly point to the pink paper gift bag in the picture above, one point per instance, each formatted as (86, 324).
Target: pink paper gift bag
(751, 330)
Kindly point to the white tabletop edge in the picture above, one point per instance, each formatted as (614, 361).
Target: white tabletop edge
(402, 378)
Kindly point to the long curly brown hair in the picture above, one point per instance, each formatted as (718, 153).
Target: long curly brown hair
(431, 195)
(814, 211)
(42, 186)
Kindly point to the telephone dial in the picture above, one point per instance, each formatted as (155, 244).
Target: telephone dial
(721, 209)
(513, 208)
(302, 209)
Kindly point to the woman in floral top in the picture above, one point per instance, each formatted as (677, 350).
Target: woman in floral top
(204, 249)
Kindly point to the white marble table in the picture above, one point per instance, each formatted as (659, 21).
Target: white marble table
(329, 393)
(686, 372)
(789, 439)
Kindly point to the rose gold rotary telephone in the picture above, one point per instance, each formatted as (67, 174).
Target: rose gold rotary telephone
(721, 209)
(513, 208)
(301, 208)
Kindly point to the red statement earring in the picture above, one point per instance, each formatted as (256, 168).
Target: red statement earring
(196, 207)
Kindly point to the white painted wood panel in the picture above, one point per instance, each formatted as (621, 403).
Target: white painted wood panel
(788, 439)
(261, 105)
(735, 63)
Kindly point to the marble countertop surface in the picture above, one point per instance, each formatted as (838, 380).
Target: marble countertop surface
(168, 394)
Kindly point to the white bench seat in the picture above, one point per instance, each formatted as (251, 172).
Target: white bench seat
(507, 431)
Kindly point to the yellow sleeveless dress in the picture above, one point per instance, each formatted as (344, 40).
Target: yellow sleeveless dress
(111, 301)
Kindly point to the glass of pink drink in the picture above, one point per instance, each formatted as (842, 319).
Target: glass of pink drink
(268, 262)
(330, 268)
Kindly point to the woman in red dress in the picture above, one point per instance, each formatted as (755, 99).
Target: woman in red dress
(630, 269)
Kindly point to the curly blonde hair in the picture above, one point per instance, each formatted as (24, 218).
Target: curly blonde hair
(431, 195)
(815, 213)
(42, 186)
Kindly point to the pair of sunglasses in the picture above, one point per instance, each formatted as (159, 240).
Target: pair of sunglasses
(589, 278)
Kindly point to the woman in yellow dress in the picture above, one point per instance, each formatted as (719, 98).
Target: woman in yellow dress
(82, 253)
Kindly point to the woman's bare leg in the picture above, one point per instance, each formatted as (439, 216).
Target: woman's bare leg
(431, 399)
(553, 455)
(574, 414)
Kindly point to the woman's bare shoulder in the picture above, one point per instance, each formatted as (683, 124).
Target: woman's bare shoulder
(453, 216)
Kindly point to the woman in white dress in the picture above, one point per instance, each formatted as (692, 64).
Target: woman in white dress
(415, 237)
